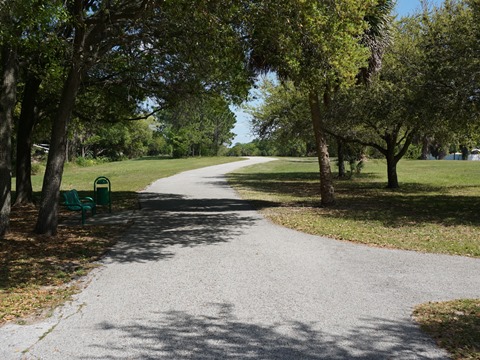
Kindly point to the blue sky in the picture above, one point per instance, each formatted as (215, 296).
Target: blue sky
(242, 128)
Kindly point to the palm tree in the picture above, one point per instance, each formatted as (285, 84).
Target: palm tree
(376, 38)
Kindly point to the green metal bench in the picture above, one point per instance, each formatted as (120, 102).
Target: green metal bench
(75, 203)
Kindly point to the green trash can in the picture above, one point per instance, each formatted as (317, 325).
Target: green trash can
(102, 192)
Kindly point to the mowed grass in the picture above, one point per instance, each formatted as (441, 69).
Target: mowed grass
(37, 272)
(126, 177)
(436, 209)
(455, 325)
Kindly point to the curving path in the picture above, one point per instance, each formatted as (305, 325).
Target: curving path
(202, 276)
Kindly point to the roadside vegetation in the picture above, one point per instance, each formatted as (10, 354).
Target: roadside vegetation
(435, 210)
(455, 326)
(38, 272)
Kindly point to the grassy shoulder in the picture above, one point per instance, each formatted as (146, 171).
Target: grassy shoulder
(455, 326)
(435, 210)
(36, 272)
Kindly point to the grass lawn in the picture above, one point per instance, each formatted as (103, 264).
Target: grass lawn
(437, 209)
(36, 272)
(127, 177)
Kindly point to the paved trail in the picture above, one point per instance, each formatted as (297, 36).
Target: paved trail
(202, 276)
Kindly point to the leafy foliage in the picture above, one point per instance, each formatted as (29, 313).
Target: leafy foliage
(283, 118)
(197, 125)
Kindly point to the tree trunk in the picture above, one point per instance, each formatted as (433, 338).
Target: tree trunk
(8, 94)
(327, 191)
(26, 124)
(47, 221)
(464, 151)
(341, 158)
(392, 166)
(425, 144)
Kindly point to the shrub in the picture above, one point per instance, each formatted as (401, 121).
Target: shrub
(37, 168)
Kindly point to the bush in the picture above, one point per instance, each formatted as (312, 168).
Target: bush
(37, 168)
(88, 161)
(414, 152)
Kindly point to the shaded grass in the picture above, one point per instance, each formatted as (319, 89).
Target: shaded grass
(455, 326)
(435, 210)
(38, 272)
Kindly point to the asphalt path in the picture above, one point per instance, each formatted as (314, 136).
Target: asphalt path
(201, 275)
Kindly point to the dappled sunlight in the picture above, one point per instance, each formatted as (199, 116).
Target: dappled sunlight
(412, 204)
(219, 334)
(425, 216)
(169, 220)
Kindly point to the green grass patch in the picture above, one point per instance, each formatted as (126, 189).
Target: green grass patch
(37, 272)
(455, 326)
(127, 177)
(132, 175)
(436, 209)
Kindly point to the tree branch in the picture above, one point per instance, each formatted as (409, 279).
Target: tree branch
(404, 149)
(146, 116)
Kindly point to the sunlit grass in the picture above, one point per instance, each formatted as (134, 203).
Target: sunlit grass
(435, 210)
(129, 175)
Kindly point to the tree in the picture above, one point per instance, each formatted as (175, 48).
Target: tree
(17, 19)
(26, 123)
(283, 118)
(390, 111)
(378, 117)
(198, 125)
(95, 29)
(450, 43)
(317, 46)
(250, 149)
(7, 103)
(181, 47)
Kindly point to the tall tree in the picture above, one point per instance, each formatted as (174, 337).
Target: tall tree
(14, 17)
(8, 88)
(26, 123)
(39, 59)
(451, 44)
(389, 112)
(181, 47)
(316, 45)
(96, 28)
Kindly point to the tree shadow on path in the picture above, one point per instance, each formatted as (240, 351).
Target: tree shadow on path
(179, 335)
(168, 220)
